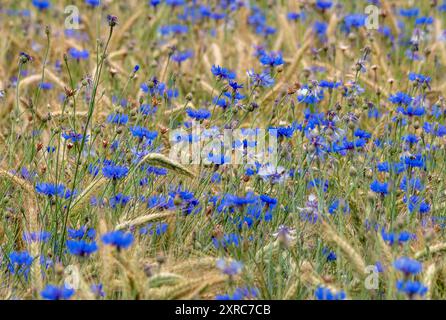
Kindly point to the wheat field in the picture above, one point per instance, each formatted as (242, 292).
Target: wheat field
(114, 115)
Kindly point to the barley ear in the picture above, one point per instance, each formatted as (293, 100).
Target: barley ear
(350, 253)
(160, 160)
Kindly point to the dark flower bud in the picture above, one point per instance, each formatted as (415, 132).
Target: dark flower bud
(112, 20)
(161, 259)
(24, 58)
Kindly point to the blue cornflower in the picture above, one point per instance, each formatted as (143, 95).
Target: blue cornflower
(271, 173)
(320, 28)
(285, 132)
(172, 93)
(51, 292)
(25, 174)
(73, 136)
(410, 12)
(400, 98)
(269, 201)
(435, 128)
(424, 20)
(271, 59)
(234, 95)
(198, 115)
(354, 21)
(329, 84)
(222, 73)
(93, 169)
(309, 96)
(79, 234)
(151, 229)
(410, 138)
(160, 228)
(408, 266)
(50, 149)
(230, 200)
(181, 56)
(413, 55)
(386, 32)
(402, 237)
(411, 288)
(344, 145)
(221, 102)
(324, 5)
(123, 102)
(417, 204)
(216, 15)
(362, 134)
(216, 177)
(175, 3)
(411, 111)
(156, 171)
(235, 86)
(119, 239)
(392, 167)
(263, 79)
(338, 203)
(81, 248)
(46, 85)
(227, 240)
(78, 54)
(119, 199)
(378, 187)
(295, 16)
(20, 263)
(41, 4)
(229, 268)
(141, 132)
(318, 183)
(323, 293)
(39, 236)
(118, 118)
(174, 28)
(115, 172)
(50, 189)
(414, 161)
(93, 3)
(330, 255)
(420, 78)
(414, 184)
(405, 236)
(257, 20)
(147, 109)
(98, 290)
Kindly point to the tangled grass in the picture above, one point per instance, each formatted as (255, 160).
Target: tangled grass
(93, 206)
